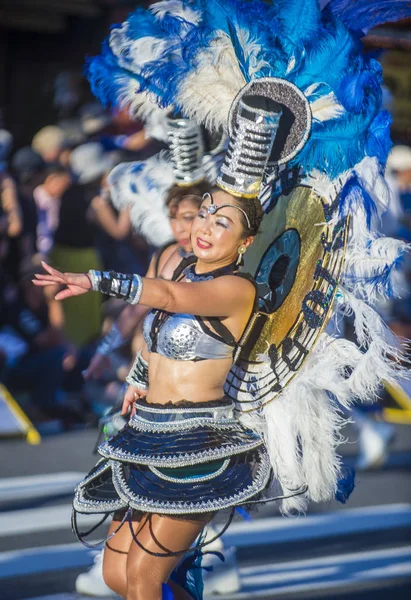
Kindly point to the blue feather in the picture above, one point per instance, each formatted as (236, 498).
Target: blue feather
(189, 576)
(239, 52)
(379, 141)
(332, 55)
(300, 23)
(108, 81)
(353, 195)
(380, 282)
(356, 88)
(243, 513)
(363, 15)
(167, 593)
(345, 484)
(137, 167)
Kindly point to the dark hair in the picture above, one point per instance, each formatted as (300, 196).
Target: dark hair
(54, 169)
(177, 194)
(253, 210)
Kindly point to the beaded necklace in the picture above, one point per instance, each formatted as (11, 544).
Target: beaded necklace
(190, 274)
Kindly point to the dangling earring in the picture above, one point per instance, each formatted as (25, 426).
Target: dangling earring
(241, 251)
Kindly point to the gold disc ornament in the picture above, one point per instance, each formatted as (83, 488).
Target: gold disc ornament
(296, 261)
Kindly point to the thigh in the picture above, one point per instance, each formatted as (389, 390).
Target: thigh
(116, 549)
(161, 534)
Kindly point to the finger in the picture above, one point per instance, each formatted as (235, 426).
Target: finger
(64, 294)
(43, 277)
(125, 407)
(42, 283)
(50, 270)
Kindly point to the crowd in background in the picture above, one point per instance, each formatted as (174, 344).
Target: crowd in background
(55, 206)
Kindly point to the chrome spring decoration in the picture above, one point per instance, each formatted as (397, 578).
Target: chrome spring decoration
(256, 125)
(186, 150)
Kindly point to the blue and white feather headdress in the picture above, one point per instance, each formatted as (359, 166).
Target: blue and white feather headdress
(197, 56)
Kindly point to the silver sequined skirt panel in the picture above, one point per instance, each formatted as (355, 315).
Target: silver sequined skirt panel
(175, 460)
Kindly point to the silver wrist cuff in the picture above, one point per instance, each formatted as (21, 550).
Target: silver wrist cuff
(111, 341)
(117, 285)
(138, 376)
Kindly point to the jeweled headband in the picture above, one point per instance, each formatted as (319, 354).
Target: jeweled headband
(213, 208)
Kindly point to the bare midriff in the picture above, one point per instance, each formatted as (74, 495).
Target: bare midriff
(176, 380)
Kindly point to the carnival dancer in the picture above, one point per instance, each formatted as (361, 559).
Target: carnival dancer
(147, 188)
(305, 85)
(225, 463)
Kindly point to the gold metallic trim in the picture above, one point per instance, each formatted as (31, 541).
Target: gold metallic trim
(236, 194)
(263, 404)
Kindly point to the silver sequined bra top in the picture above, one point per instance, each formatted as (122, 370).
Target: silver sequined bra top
(189, 337)
(185, 337)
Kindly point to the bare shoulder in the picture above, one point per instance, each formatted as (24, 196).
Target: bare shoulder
(235, 285)
(169, 261)
(166, 255)
(159, 260)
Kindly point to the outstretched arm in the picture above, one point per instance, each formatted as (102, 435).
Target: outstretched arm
(222, 297)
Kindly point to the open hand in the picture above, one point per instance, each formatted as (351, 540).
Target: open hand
(77, 283)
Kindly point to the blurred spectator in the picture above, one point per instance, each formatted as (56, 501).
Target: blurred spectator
(37, 367)
(73, 137)
(11, 222)
(47, 197)
(49, 142)
(28, 169)
(119, 249)
(399, 179)
(74, 242)
(89, 163)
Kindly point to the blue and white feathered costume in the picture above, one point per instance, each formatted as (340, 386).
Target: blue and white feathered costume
(196, 56)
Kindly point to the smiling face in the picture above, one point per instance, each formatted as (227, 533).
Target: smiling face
(217, 237)
(181, 219)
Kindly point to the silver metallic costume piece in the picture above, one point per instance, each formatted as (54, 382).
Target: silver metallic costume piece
(117, 285)
(250, 146)
(186, 150)
(138, 376)
(269, 123)
(181, 337)
(112, 341)
(213, 208)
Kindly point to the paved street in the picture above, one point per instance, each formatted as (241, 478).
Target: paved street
(361, 550)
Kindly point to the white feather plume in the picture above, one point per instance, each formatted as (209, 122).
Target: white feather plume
(142, 187)
(326, 107)
(364, 263)
(134, 54)
(177, 9)
(208, 92)
(302, 427)
(141, 106)
(373, 181)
